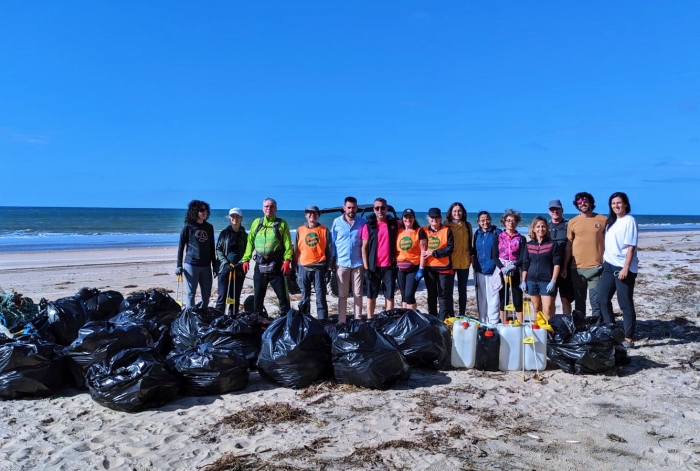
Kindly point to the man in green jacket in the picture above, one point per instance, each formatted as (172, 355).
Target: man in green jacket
(269, 237)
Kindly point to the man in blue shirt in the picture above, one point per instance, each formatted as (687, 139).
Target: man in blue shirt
(347, 256)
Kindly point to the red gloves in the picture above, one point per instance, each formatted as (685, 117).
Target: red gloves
(287, 267)
(245, 267)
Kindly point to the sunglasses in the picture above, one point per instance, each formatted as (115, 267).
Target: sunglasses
(380, 208)
(582, 200)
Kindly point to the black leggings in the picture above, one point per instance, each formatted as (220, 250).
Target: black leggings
(517, 298)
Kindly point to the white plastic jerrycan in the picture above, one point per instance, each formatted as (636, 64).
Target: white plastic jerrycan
(464, 343)
(535, 344)
(511, 353)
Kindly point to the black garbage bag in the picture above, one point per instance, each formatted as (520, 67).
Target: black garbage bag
(585, 349)
(29, 367)
(39, 328)
(242, 334)
(132, 300)
(206, 370)
(66, 316)
(190, 325)
(367, 358)
(100, 341)
(154, 306)
(132, 380)
(100, 305)
(296, 351)
(422, 339)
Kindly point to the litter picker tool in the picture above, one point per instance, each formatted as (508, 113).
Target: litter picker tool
(180, 291)
(231, 277)
(509, 308)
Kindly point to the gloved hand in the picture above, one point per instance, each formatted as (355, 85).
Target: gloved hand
(507, 269)
(245, 266)
(551, 286)
(419, 275)
(523, 286)
(287, 267)
(179, 271)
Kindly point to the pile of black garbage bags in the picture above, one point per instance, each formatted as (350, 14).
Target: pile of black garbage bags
(579, 345)
(141, 351)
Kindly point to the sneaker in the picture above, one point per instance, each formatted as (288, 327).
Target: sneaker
(628, 345)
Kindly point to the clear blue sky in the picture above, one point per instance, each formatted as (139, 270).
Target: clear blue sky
(494, 104)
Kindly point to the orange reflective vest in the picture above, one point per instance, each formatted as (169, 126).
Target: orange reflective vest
(436, 241)
(408, 246)
(312, 245)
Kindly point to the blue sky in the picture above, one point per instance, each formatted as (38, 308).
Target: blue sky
(494, 104)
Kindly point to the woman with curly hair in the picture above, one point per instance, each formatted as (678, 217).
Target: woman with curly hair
(200, 262)
(461, 256)
(511, 245)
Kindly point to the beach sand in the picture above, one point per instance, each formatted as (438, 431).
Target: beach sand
(645, 416)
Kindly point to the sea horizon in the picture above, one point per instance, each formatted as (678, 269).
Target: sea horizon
(30, 228)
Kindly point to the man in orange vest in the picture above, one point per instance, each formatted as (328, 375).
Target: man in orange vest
(439, 275)
(314, 256)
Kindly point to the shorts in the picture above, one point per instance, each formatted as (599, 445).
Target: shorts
(538, 288)
(376, 277)
(565, 287)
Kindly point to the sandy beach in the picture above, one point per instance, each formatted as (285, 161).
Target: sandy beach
(645, 416)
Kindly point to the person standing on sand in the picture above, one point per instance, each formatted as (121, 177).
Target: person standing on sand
(230, 248)
(557, 231)
(409, 262)
(313, 253)
(461, 257)
(379, 255)
(437, 256)
(586, 234)
(487, 273)
(620, 265)
(541, 266)
(347, 257)
(270, 238)
(511, 247)
(200, 263)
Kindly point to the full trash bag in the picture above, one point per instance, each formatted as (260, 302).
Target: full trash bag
(154, 306)
(66, 316)
(132, 380)
(206, 370)
(296, 351)
(367, 358)
(186, 329)
(579, 348)
(29, 367)
(100, 341)
(242, 334)
(100, 305)
(422, 339)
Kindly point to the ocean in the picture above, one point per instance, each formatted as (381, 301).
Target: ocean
(25, 229)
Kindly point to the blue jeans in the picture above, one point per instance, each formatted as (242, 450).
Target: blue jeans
(318, 279)
(609, 283)
(197, 276)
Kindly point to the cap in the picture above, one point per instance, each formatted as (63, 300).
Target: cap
(236, 211)
(555, 204)
(434, 213)
(312, 209)
(408, 212)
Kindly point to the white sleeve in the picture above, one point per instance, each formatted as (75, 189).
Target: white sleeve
(630, 234)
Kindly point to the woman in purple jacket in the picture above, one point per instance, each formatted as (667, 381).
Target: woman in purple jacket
(541, 265)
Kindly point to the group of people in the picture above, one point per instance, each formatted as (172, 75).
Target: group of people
(588, 257)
